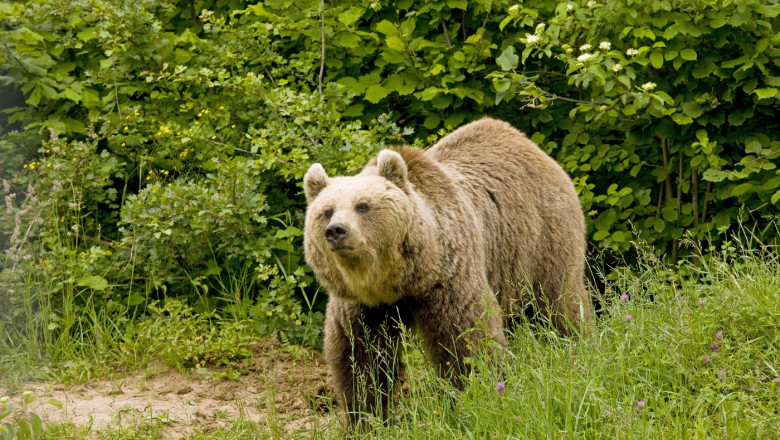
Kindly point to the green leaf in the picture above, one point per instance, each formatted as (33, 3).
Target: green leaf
(659, 225)
(350, 16)
(458, 4)
(376, 93)
(454, 119)
(688, 54)
(600, 235)
(55, 403)
(692, 109)
(681, 119)
(669, 213)
(508, 59)
(753, 146)
(431, 121)
(36, 425)
(775, 197)
(618, 236)
(657, 59)
(741, 189)
(386, 28)
(95, 282)
(766, 93)
(713, 175)
(135, 299)
(395, 43)
(87, 34)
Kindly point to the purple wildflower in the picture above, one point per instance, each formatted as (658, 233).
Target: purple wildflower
(640, 404)
(718, 335)
(714, 347)
(500, 387)
(702, 302)
(628, 318)
(609, 359)
(519, 417)
(624, 297)
(722, 373)
(706, 359)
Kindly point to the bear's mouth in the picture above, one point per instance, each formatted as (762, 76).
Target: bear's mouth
(340, 248)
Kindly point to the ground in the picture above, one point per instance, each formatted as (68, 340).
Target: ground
(284, 388)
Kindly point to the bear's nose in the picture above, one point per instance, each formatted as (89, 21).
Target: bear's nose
(335, 232)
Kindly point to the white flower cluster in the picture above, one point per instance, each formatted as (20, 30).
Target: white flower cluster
(585, 47)
(605, 45)
(631, 52)
(617, 68)
(648, 86)
(584, 57)
(531, 39)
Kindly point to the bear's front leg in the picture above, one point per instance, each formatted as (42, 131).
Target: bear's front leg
(362, 348)
(452, 323)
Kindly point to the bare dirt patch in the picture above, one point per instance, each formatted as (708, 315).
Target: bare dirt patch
(284, 388)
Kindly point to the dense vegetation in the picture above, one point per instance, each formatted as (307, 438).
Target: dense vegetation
(692, 358)
(160, 145)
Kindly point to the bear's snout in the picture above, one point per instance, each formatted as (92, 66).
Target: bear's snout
(335, 233)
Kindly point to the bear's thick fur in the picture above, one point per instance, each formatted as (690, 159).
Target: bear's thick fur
(444, 241)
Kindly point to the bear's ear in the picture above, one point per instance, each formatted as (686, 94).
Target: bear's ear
(392, 167)
(314, 181)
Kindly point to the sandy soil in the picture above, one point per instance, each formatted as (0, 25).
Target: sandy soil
(284, 389)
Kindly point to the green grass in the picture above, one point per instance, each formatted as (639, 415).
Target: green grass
(592, 386)
(662, 356)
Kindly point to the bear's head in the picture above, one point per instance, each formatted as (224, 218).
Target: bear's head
(356, 227)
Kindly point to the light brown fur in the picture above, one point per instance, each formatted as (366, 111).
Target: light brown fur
(454, 238)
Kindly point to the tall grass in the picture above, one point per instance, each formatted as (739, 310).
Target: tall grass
(692, 352)
(671, 357)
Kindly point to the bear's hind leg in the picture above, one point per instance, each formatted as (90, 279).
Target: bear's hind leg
(564, 299)
(362, 348)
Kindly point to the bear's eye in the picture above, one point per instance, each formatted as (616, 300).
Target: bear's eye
(328, 213)
(361, 207)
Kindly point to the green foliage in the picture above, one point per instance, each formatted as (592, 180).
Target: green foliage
(172, 148)
(186, 340)
(162, 144)
(663, 112)
(18, 421)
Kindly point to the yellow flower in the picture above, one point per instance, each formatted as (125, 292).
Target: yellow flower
(233, 126)
(221, 107)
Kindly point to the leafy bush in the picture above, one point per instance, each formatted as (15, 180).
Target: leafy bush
(164, 144)
(169, 167)
(19, 421)
(663, 112)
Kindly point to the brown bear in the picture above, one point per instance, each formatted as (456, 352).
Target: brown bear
(444, 240)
